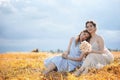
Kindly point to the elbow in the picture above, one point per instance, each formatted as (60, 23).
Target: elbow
(102, 51)
(79, 59)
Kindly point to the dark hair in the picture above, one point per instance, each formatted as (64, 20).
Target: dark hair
(88, 39)
(93, 23)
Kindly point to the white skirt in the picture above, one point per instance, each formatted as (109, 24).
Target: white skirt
(94, 60)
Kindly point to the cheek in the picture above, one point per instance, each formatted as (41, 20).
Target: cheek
(87, 29)
(83, 37)
(93, 28)
(88, 36)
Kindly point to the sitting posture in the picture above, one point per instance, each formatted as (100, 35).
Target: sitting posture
(71, 58)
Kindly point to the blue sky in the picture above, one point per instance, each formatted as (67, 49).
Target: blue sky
(49, 24)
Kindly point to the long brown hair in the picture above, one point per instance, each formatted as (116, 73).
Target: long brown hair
(93, 23)
(88, 39)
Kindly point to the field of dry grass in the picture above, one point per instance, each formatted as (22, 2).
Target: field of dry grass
(29, 66)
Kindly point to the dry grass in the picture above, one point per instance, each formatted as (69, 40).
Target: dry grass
(116, 54)
(29, 66)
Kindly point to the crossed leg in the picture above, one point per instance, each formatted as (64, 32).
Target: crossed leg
(50, 68)
(79, 72)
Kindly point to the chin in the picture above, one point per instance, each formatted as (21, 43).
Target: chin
(90, 31)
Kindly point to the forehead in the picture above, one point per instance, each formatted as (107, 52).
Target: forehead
(85, 33)
(89, 24)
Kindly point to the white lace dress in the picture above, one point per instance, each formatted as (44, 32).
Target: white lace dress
(94, 60)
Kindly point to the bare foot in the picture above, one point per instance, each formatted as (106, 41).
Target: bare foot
(85, 71)
(77, 73)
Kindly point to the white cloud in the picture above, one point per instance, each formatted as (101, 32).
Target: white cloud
(42, 44)
(38, 20)
(48, 2)
(4, 3)
(111, 38)
(7, 7)
(28, 1)
(110, 34)
(30, 9)
(17, 0)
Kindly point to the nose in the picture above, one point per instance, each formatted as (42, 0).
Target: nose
(84, 37)
(88, 28)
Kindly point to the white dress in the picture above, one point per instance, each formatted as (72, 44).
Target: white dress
(65, 64)
(94, 60)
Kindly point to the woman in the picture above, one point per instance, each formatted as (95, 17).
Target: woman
(99, 56)
(71, 58)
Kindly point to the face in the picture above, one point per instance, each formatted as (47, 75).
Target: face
(84, 35)
(90, 28)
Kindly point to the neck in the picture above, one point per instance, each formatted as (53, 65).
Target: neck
(93, 34)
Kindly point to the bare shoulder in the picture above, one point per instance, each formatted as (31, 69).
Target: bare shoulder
(100, 38)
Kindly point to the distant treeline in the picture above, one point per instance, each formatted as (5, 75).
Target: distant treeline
(56, 51)
(51, 51)
(116, 50)
(61, 51)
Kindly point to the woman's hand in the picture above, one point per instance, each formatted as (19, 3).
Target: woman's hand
(92, 51)
(86, 53)
(65, 56)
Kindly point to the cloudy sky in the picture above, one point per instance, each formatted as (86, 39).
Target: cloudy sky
(49, 24)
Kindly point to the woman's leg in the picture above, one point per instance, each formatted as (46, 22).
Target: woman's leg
(78, 72)
(85, 71)
(50, 68)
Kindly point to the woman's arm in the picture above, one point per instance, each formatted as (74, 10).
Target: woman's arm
(76, 59)
(100, 42)
(68, 50)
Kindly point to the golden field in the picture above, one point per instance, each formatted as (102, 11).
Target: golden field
(29, 66)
